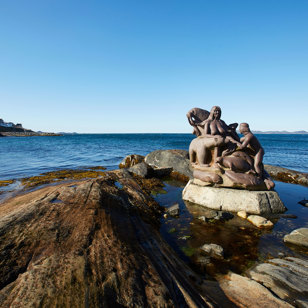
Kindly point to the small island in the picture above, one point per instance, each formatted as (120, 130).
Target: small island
(9, 129)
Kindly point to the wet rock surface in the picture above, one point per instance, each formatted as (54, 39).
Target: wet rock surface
(90, 244)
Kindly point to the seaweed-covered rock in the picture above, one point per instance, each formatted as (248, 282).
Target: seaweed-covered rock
(131, 160)
(287, 175)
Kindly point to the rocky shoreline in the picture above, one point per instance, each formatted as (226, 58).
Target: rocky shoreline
(96, 243)
(26, 134)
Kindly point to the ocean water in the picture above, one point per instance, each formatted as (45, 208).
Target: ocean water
(28, 156)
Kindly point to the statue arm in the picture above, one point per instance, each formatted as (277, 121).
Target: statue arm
(246, 140)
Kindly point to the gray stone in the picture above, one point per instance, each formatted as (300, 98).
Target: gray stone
(141, 169)
(213, 250)
(297, 237)
(233, 200)
(174, 210)
(175, 159)
(287, 278)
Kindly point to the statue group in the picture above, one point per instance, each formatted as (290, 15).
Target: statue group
(220, 158)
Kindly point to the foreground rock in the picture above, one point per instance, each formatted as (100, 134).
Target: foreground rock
(287, 175)
(297, 237)
(287, 278)
(93, 243)
(233, 200)
(245, 292)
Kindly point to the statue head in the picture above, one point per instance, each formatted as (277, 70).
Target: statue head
(244, 128)
(215, 113)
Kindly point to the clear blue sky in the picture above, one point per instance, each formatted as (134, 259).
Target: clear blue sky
(139, 66)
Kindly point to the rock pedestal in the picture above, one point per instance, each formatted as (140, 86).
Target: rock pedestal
(233, 200)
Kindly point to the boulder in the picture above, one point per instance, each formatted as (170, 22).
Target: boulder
(178, 160)
(131, 160)
(91, 244)
(233, 200)
(142, 169)
(297, 237)
(287, 278)
(260, 221)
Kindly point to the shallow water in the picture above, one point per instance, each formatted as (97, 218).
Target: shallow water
(243, 243)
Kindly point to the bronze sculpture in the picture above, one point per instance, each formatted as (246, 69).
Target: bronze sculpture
(220, 158)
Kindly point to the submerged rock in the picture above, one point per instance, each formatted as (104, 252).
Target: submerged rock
(260, 221)
(173, 210)
(297, 237)
(97, 245)
(213, 250)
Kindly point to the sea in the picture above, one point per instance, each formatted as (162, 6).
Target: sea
(28, 156)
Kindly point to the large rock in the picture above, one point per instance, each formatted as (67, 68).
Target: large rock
(233, 200)
(93, 243)
(297, 237)
(287, 278)
(176, 159)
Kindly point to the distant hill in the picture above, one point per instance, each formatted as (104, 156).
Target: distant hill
(300, 132)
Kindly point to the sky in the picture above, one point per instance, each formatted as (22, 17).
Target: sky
(138, 66)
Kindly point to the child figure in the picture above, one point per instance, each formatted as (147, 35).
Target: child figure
(251, 140)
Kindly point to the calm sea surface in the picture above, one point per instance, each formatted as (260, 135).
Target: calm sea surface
(27, 156)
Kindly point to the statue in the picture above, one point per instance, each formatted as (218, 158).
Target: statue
(195, 117)
(219, 157)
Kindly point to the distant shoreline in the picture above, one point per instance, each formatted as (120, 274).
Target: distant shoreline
(26, 134)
